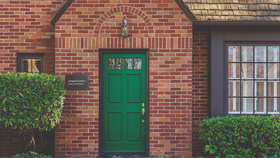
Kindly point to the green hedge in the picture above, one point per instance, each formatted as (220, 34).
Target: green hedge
(29, 155)
(244, 136)
(30, 102)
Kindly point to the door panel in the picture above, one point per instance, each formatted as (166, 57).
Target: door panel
(134, 88)
(134, 125)
(115, 90)
(124, 94)
(114, 134)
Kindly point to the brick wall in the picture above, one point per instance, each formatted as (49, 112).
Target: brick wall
(158, 25)
(199, 85)
(24, 28)
(9, 143)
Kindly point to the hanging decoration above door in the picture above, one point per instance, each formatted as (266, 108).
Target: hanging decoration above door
(124, 28)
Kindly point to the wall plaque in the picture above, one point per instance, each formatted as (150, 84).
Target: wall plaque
(76, 82)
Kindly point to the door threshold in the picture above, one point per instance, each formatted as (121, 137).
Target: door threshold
(122, 155)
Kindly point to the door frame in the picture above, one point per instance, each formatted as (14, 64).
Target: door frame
(122, 51)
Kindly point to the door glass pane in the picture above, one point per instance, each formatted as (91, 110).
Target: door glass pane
(233, 71)
(36, 65)
(273, 105)
(273, 71)
(128, 63)
(233, 88)
(260, 88)
(260, 71)
(137, 63)
(247, 53)
(247, 105)
(234, 105)
(260, 105)
(260, 54)
(120, 63)
(247, 88)
(247, 71)
(27, 65)
(273, 89)
(111, 63)
(234, 53)
(273, 54)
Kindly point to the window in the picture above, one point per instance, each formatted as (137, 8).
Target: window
(31, 63)
(122, 63)
(253, 79)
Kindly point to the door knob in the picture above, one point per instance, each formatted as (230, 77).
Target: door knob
(143, 114)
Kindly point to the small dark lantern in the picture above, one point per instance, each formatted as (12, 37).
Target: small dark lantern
(124, 28)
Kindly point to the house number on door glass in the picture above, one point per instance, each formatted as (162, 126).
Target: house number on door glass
(137, 63)
(128, 63)
(120, 63)
(111, 63)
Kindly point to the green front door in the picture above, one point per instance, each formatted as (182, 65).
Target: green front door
(124, 102)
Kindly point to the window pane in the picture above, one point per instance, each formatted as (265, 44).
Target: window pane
(273, 54)
(111, 63)
(234, 53)
(273, 89)
(120, 63)
(234, 105)
(273, 71)
(247, 71)
(273, 105)
(233, 88)
(260, 105)
(260, 54)
(36, 65)
(260, 88)
(128, 63)
(137, 63)
(233, 71)
(260, 71)
(27, 65)
(247, 53)
(247, 105)
(247, 88)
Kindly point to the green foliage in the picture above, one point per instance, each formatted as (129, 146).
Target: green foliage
(244, 136)
(30, 102)
(29, 155)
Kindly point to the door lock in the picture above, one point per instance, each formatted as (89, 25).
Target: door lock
(143, 113)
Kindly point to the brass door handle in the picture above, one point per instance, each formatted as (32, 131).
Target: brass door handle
(143, 114)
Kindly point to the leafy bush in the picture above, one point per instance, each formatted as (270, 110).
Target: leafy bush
(29, 155)
(244, 136)
(30, 102)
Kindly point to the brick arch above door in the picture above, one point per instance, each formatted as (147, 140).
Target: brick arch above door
(123, 9)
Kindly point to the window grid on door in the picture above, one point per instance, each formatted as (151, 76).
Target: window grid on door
(253, 79)
(124, 63)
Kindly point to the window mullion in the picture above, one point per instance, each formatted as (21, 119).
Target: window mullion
(240, 76)
(254, 80)
(234, 77)
(267, 80)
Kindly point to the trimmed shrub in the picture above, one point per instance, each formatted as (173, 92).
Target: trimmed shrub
(29, 155)
(30, 102)
(244, 136)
